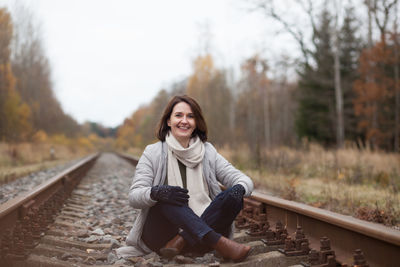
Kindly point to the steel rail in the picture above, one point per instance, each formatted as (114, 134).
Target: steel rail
(380, 244)
(42, 198)
(131, 159)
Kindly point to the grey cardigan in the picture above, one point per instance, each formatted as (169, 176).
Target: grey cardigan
(151, 170)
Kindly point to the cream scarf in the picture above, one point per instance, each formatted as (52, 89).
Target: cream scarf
(192, 158)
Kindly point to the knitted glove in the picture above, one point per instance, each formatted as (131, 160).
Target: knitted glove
(237, 191)
(232, 200)
(170, 194)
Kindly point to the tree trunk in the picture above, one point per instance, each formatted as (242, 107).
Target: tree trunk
(267, 127)
(396, 86)
(339, 102)
(369, 7)
(338, 87)
(373, 105)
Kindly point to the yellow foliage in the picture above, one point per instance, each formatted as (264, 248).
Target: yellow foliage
(24, 123)
(5, 35)
(40, 137)
(203, 72)
(94, 138)
(341, 176)
(16, 119)
(15, 115)
(138, 139)
(60, 139)
(84, 142)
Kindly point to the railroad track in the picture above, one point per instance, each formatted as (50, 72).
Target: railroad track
(78, 217)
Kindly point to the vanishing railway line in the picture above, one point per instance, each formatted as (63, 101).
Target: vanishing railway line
(79, 216)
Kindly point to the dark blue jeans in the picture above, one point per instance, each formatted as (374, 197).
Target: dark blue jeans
(164, 221)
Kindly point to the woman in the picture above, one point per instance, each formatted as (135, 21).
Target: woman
(176, 189)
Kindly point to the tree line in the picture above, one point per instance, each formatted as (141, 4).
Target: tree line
(346, 90)
(29, 110)
(347, 86)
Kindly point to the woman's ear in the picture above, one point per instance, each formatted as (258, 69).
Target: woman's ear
(169, 122)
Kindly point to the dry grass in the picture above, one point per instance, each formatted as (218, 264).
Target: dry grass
(11, 173)
(21, 159)
(362, 183)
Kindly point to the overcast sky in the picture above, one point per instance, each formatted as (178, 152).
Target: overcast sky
(109, 57)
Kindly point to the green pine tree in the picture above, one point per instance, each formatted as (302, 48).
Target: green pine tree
(350, 49)
(316, 110)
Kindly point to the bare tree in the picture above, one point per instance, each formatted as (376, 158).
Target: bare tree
(381, 10)
(298, 34)
(369, 4)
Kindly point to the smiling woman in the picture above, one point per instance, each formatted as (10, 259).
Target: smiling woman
(176, 186)
(182, 123)
(184, 118)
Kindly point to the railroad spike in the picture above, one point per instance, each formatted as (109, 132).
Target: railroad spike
(359, 259)
(325, 243)
(323, 258)
(313, 257)
(276, 237)
(297, 246)
(258, 229)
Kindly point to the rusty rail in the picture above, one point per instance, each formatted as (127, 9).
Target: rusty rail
(347, 236)
(380, 244)
(24, 218)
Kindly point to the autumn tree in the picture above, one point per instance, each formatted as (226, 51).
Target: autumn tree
(139, 129)
(33, 73)
(125, 135)
(14, 114)
(376, 90)
(150, 120)
(253, 119)
(282, 102)
(209, 87)
(375, 97)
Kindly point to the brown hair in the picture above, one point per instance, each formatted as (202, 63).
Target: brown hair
(201, 126)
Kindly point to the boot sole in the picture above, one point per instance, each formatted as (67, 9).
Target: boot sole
(244, 256)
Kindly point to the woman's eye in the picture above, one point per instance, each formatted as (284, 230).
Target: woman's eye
(191, 116)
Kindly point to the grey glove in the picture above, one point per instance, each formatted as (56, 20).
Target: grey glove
(170, 194)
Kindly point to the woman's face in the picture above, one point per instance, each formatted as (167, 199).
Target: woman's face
(182, 123)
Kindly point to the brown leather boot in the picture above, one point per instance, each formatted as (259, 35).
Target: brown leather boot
(230, 249)
(173, 247)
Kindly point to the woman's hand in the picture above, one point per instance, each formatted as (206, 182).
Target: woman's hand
(237, 191)
(170, 194)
